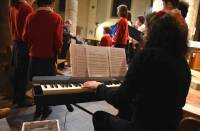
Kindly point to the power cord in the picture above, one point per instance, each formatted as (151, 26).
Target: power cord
(65, 121)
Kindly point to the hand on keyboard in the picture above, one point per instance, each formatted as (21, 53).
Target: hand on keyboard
(91, 84)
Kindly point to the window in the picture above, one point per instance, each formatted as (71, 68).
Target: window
(116, 3)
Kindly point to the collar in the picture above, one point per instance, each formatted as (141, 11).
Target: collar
(106, 34)
(45, 8)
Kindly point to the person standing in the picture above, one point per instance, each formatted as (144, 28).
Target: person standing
(121, 35)
(67, 35)
(171, 6)
(18, 12)
(183, 7)
(43, 34)
(106, 40)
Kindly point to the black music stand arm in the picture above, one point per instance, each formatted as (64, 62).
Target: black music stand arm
(80, 107)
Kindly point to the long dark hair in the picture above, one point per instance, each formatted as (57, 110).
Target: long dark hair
(173, 2)
(13, 2)
(164, 31)
(42, 3)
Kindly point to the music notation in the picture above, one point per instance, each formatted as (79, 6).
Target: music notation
(94, 61)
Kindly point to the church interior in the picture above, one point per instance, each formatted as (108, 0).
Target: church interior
(85, 22)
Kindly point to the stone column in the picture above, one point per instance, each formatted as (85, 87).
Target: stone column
(71, 12)
(191, 18)
(92, 12)
(4, 28)
(5, 51)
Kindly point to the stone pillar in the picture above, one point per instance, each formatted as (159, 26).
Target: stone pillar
(4, 28)
(191, 18)
(92, 12)
(5, 52)
(71, 12)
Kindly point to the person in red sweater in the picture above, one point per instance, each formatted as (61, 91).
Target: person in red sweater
(171, 6)
(106, 40)
(18, 11)
(121, 35)
(43, 34)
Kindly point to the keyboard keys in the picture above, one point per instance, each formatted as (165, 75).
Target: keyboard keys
(73, 87)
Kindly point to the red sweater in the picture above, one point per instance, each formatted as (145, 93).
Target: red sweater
(43, 33)
(17, 17)
(106, 41)
(121, 35)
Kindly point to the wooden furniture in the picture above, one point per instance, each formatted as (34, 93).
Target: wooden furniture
(190, 124)
(195, 83)
(192, 106)
(194, 54)
(196, 61)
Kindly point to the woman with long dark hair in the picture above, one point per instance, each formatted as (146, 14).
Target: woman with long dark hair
(156, 85)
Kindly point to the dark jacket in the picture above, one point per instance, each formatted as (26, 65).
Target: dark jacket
(153, 92)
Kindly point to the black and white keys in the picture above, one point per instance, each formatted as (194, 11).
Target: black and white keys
(68, 88)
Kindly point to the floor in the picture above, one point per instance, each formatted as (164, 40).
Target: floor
(77, 120)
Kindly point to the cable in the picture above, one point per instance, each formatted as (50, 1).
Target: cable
(65, 121)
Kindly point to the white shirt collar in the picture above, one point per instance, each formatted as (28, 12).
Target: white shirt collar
(45, 8)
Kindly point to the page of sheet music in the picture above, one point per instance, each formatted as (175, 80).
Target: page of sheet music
(78, 60)
(117, 59)
(97, 61)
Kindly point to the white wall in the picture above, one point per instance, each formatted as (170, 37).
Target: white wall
(139, 7)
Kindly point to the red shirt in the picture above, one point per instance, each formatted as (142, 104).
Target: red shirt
(106, 41)
(43, 33)
(121, 35)
(17, 17)
(176, 13)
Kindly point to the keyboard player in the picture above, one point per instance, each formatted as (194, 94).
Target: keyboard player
(156, 85)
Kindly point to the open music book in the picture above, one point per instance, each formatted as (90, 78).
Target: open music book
(96, 61)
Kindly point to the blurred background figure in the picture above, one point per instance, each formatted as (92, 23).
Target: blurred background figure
(66, 38)
(43, 26)
(135, 45)
(139, 23)
(183, 7)
(106, 40)
(18, 12)
(171, 6)
(121, 35)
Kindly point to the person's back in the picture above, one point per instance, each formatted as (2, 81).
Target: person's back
(42, 41)
(17, 16)
(163, 81)
(18, 12)
(43, 34)
(106, 40)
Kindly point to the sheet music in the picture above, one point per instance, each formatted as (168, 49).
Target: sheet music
(117, 59)
(97, 61)
(78, 60)
(94, 61)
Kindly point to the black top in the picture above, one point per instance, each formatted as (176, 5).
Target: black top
(154, 90)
